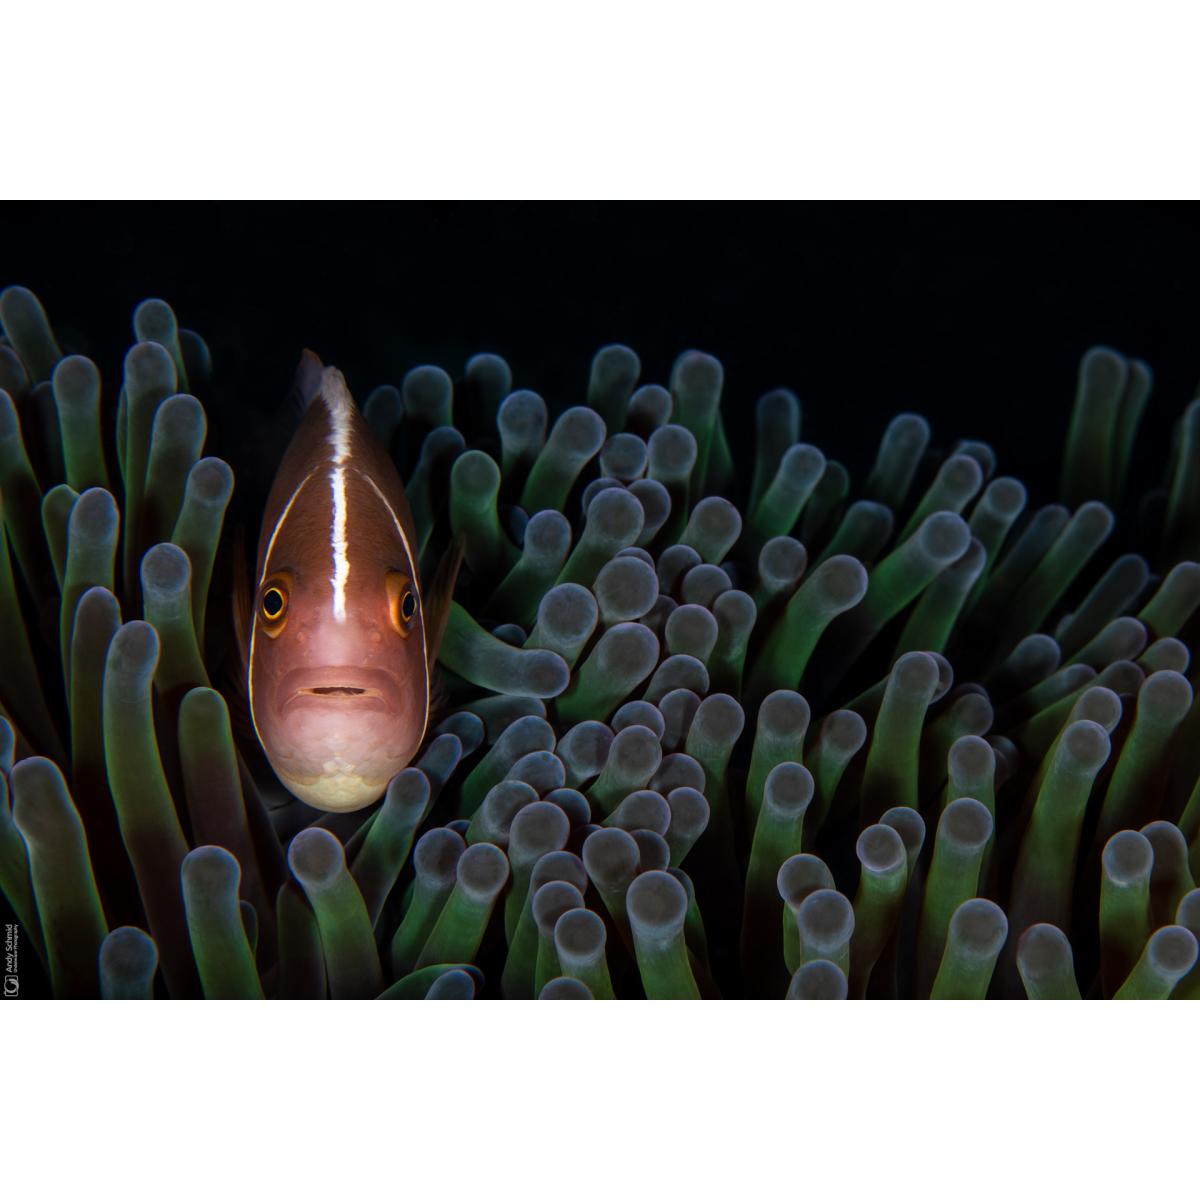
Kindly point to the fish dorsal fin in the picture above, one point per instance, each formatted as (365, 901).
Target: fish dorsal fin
(306, 387)
(438, 597)
(309, 375)
(243, 599)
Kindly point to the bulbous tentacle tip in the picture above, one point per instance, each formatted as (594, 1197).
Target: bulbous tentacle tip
(566, 988)
(630, 604)
(819, 979)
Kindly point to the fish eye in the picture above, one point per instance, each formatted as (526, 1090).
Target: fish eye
(402, 601)
(273, 603)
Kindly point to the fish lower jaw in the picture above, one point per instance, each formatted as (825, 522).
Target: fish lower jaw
(336, 759)
(338, 789)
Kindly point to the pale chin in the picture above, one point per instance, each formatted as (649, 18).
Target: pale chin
(341, 760)
(338, 793)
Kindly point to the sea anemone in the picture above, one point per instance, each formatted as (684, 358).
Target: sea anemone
(698, 733)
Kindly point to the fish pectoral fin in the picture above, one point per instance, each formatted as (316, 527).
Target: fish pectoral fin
(232, 685)
(242, 600)
(440, 706)
(437, 600)
(234, 677)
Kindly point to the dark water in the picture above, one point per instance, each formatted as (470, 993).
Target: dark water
(974, 315)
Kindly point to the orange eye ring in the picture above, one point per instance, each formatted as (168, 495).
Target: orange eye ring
(274, 598)
(402, 602)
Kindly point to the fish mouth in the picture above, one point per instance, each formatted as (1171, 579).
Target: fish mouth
(365, 688)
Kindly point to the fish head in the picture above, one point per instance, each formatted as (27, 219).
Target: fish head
(338, 679)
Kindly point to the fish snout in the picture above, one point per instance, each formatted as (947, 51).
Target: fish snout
(336, 735)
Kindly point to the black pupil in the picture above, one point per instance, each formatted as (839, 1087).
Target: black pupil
(408, 605)
(273, 602)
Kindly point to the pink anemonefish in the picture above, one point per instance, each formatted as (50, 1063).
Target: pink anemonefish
(336, 641)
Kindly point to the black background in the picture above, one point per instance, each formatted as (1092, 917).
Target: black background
(974, 315)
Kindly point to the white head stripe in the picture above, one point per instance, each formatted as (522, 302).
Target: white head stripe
(279, 525)
(413, 568)
(254, 623)
(395, 520)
